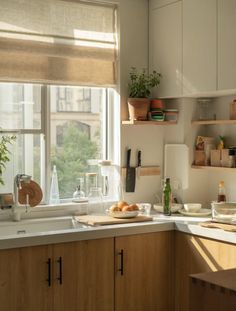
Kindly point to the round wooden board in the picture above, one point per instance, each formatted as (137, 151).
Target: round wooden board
(34, 192)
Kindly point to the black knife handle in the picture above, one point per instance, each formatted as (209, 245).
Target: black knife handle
(139, 158)
(128, 157)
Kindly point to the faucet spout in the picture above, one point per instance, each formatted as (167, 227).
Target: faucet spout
(17, 207)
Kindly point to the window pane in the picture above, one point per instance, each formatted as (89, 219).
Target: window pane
(20, 106)
(77, 134)
(26, 157)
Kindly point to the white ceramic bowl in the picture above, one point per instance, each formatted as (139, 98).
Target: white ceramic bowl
(192, 207)
(174, 208)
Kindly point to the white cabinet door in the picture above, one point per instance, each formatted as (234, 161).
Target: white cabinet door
(199, 46)
(226, 44)
(166, 48)
(154, 4)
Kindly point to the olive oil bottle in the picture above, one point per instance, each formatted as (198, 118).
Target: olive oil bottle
(167, 197)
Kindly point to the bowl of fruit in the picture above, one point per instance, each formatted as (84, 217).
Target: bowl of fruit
(123, 210)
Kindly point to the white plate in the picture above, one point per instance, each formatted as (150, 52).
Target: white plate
(128, 214)
(200, 213)
(174, 208)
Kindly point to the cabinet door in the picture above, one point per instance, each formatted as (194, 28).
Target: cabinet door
(226, 44)
(199, 46)
(166, 48)
(197, 255)
(154, 4)
(23, 279)
(86, 280)
(146, 277)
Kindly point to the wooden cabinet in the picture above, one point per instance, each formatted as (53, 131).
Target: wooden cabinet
(199, 46)
(226, 44)
(166, 47)
(81, 276)
(216, 289)
(194, 254)
(84, 275)
(144, 272)
(24, 279)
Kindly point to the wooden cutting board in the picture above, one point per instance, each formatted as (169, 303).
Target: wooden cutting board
(100, 220)
(225, 227)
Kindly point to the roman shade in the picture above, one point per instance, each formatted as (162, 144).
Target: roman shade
(58, 42)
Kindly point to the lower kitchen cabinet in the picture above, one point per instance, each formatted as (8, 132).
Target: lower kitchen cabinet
(24, 279)
(76, 276)
(194, 254)
(144, 271)
(84, 276)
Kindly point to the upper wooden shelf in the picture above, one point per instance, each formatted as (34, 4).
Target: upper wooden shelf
(134, 122)
(214, 168)
(212, 122)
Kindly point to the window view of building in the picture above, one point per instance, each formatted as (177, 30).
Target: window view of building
(74, 132)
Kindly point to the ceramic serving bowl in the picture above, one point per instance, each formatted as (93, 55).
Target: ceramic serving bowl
(192, 207)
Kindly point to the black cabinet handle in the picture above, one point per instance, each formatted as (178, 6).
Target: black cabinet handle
(49, 279)
(121, 269)
(59, 261)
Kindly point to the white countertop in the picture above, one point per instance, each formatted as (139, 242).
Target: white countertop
(188, 225)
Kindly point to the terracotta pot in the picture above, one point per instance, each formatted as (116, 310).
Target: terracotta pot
(138, 108)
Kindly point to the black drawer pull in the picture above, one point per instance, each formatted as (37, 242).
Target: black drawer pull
(49, 279)
(121, 269)
(60, 270)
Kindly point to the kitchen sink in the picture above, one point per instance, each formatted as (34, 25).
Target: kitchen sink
(38, 225)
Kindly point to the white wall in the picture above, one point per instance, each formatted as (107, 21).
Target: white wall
(149, 139)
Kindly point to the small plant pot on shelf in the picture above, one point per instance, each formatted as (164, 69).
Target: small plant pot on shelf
(138, 108)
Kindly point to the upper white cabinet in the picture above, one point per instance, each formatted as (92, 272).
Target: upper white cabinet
(166, 46)
(226, 44)
(199, 46)
(155, 4)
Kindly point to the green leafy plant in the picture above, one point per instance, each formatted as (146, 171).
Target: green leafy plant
(4, 153)
(141, 83)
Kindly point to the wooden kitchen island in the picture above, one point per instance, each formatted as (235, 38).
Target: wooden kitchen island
(213, 291)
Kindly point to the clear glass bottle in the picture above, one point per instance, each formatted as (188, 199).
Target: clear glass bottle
(221, 192)
(167, 197)
(54, 197)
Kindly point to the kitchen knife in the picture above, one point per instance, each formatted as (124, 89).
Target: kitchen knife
(130, 174)
(138, 168)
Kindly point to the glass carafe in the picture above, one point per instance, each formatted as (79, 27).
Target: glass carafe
(95, 199)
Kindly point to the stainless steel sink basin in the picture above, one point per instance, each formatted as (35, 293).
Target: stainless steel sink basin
(38, 225)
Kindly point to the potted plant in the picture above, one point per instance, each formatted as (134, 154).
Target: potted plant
(140, 86)
(4, 153)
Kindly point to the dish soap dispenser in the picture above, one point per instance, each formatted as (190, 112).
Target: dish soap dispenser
(79, 195)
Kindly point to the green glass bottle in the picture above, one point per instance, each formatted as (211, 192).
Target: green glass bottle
(167, 197)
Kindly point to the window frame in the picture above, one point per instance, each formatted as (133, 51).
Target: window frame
(109, 116)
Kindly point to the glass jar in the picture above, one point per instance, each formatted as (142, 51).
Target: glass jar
(204, 109)
(95, 199)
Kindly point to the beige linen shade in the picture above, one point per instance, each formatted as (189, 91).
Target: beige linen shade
(58, 42)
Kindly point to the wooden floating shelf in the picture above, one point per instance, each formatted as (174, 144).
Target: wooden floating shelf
(213, 122)
(214, 168)
(145, 171)
(135, 122)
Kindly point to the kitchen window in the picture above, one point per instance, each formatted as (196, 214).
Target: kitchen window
(58, 73)
(71, 140)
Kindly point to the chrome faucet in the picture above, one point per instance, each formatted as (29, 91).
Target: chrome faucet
(17, 207)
